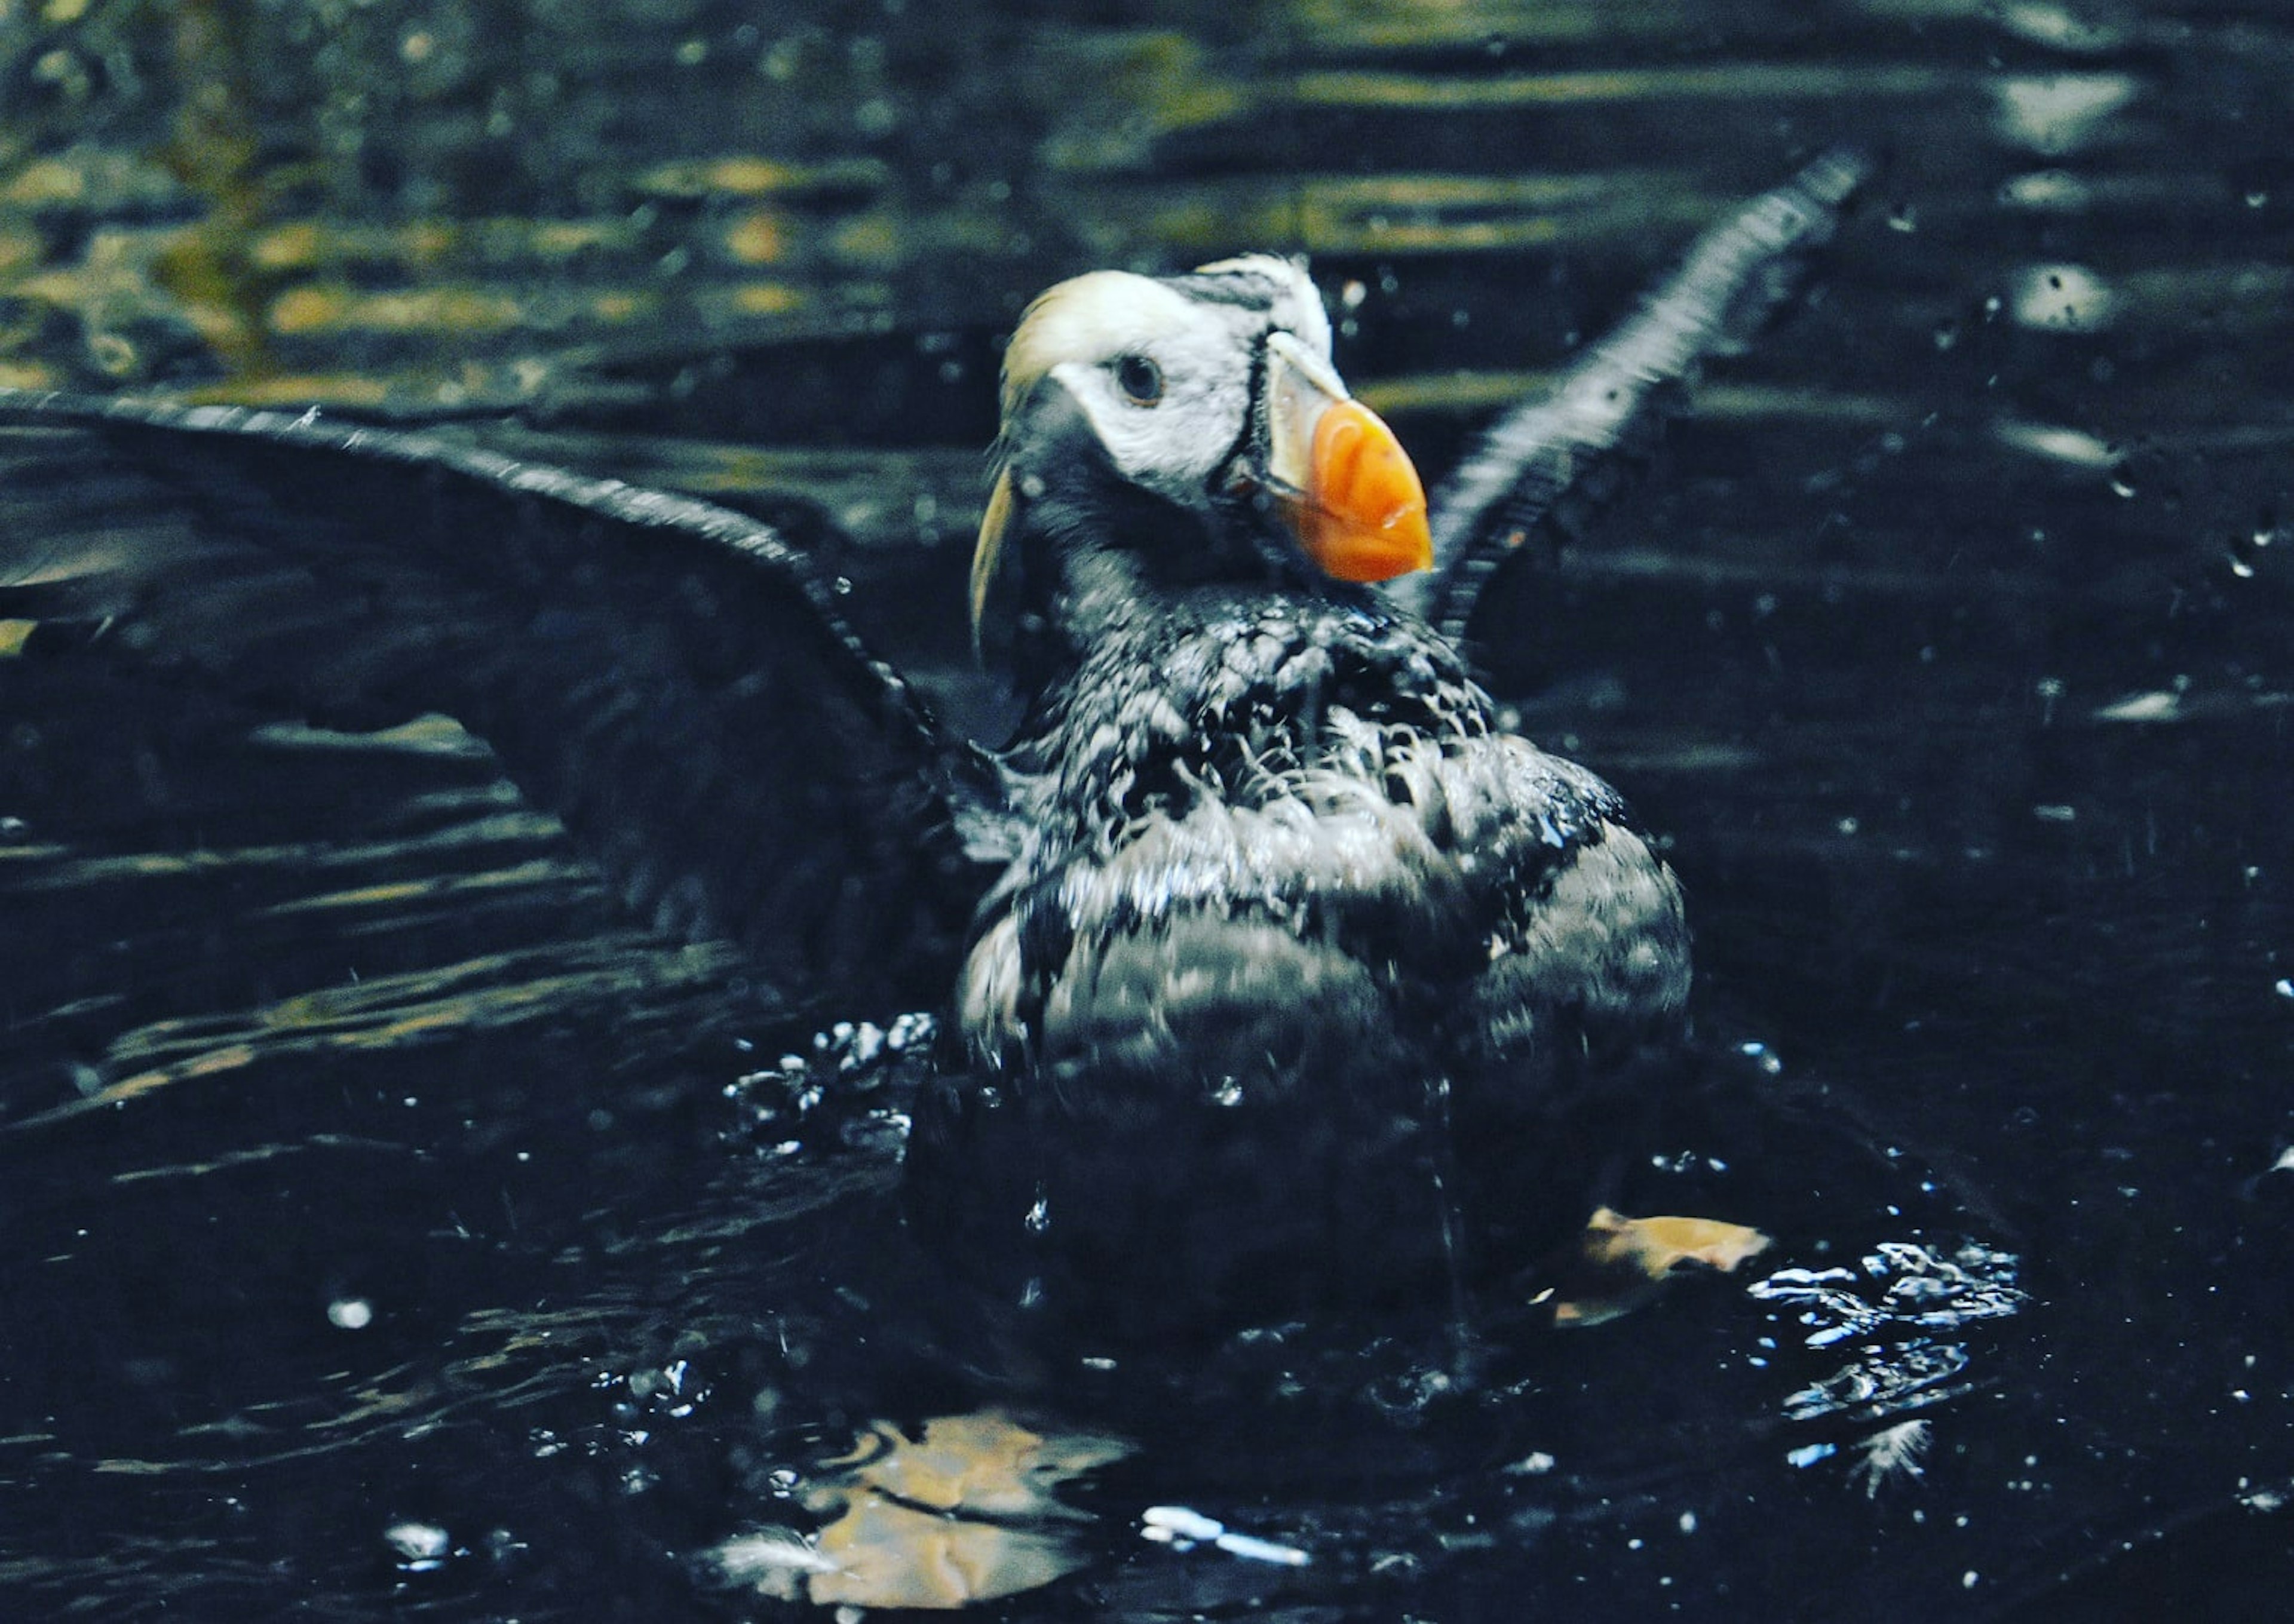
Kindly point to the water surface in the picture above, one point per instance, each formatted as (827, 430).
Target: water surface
(420, 1258)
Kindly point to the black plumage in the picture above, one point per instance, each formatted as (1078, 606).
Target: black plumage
(1304, 957)
(1293, 918)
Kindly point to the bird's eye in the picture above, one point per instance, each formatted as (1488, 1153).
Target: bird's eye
(1140, 379)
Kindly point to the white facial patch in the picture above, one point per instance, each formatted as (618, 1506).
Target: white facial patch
(1082, 333)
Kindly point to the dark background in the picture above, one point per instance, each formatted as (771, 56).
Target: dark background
(1950, 647)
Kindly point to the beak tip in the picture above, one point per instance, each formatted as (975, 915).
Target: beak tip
(1419, 542)
(1400, 546)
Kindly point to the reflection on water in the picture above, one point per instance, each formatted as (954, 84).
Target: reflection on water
(367, 1177)
(2059, 113)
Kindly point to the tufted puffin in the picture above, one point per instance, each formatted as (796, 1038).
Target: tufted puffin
(1292, 917)
(1277, 962)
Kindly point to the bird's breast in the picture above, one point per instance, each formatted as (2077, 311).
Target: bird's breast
(1280, 829)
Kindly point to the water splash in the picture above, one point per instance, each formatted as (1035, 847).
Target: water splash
(853, 1086)
(1897, 1302)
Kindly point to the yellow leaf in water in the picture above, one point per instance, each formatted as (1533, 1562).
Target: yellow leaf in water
(984, 1464)
(1619, 1263)
(908, 1533)
(888, 1555)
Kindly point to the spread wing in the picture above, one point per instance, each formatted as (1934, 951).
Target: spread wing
(1553, 463)
(668, 676)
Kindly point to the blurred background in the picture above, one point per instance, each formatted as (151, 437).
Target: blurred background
(1948, 645)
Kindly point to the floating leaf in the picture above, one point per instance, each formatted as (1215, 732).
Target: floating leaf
(1619, 1263)
(984, 1464)
(963, 1512)
(888, 1554)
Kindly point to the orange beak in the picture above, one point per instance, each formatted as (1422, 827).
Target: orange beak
(1364, 516)
(1348, 487)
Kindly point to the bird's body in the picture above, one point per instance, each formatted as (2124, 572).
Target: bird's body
(1307, 968)
(1293, 917)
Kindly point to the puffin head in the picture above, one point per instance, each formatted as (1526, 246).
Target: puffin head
(1163, 431)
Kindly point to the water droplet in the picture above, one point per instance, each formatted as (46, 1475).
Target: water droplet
(2063, 298)
(1762, 1056)
(420, 1546)
(355, 1313)
(1183, 1523)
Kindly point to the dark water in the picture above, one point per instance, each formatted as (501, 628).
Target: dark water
(428, 1265)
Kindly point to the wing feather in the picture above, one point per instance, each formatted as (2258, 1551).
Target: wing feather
(668, 677)
(1553, 462)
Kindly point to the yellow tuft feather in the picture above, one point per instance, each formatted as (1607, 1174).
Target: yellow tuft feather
(986, 557)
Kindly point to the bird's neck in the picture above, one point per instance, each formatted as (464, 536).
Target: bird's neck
(1102, 569)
